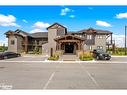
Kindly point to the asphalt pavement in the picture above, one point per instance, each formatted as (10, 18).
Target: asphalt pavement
(50, 75)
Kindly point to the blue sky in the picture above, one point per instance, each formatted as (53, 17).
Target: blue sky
(37, 18)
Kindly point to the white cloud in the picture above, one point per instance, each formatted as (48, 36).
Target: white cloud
(25, 21)
(4, 42)
(8, 20)
(119, 40)
(40, 25)
(72, 16)
(65, 11)
(102, 23)
(38, 30)
(121, 15)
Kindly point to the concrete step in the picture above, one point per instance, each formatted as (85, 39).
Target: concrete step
(69, 57)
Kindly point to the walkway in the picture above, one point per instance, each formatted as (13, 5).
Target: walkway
(69, 57)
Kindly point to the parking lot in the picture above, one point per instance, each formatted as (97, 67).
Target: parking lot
(37, 75)
(27, 58)
(44, 58)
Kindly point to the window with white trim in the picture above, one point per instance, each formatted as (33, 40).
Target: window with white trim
(100, 36)
(89, 37)
(90, 47)
(99, 47)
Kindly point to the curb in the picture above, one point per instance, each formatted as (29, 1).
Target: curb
(118, 56)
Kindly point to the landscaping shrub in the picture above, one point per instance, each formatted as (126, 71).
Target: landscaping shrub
(118, 51)
(55, 56)
(85, 56)
(3, 48)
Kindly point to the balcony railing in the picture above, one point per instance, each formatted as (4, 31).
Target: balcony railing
(90, 42)
(34, 44)
(109, 42)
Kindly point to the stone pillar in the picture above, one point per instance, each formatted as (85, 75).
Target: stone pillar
(59, 46)
(78, 46)
(26, 44)
(111, 38)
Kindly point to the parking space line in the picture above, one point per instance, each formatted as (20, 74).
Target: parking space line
(88, 73)
(49, 80)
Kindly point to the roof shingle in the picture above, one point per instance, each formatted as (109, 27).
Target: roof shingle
(39, 34)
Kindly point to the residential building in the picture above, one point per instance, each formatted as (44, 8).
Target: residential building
(59, 39)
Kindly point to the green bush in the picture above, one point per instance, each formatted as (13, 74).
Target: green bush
(85, 56)
(3, 48)
(54, 57)
(36, 50)
(118, 51)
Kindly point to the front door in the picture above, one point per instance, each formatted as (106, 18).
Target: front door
(69, 48)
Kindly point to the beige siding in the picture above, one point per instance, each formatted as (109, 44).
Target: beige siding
(45, 48)
(12, 48)
(19, 44)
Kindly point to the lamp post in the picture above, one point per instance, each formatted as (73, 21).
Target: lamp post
(125, 40)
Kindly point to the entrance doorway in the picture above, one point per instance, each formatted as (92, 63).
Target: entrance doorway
(69, 48)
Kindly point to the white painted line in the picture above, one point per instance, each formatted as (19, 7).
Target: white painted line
(49, 80)
(118, 56)
(92, 78)
(47, 61)
(88, 73)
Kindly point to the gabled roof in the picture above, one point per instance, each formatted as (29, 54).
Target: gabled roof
(55, 24)
(17, 32)
(39, 35)
(20, 31)
(64, 36)
(11, 33)
(8, 32)
(92, 30)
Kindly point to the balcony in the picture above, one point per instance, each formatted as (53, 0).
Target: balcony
(35, 44)
(110, 42)
(90, 42)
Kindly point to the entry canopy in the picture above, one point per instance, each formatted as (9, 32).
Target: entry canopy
(69, 38)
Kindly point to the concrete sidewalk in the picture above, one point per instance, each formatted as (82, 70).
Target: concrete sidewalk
(34, 55)
(63, 59)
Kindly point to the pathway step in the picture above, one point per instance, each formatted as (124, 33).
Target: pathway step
(69, 57)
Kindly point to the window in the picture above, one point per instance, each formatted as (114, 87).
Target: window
(99, 47)
(100, 36)
(12, 42)
(90, 47)
(89, 36)
(80, 35)
(46, 39)
(38, 42)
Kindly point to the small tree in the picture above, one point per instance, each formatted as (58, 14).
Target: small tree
(36, 50)
(3, 48)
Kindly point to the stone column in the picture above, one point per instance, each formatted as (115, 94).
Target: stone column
(78, 46)
(26, 44)
(59, 46)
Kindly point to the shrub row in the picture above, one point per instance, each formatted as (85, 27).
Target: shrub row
(55, 56)
(85, 56)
